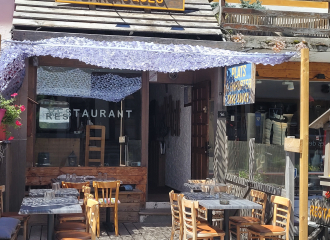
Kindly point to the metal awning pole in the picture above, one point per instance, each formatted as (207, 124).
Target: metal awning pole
(304, 137)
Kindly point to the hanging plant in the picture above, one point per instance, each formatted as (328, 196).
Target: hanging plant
(11, 112)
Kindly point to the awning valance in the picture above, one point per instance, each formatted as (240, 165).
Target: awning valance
(140, 56)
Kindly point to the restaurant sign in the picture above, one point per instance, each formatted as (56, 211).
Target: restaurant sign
(175, 5)
(320, 211)
(239, 86)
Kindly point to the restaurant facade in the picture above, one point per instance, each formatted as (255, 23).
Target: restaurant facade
(131, 92)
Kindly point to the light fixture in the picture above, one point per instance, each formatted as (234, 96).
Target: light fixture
(290, 85)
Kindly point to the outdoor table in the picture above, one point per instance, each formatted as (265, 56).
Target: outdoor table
(57, 205)
(62, 192)
(213, 203)
(80, 179)
(199, 186)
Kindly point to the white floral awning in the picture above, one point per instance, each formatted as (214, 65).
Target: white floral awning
(140, 56)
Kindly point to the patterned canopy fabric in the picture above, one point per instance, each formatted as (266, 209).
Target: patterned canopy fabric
(139, 56)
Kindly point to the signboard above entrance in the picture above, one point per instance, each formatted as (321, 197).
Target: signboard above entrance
(239, 84)
(175, 5)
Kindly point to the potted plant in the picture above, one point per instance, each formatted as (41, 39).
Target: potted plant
(9, 115)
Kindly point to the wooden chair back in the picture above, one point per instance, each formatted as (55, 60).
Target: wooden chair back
(176, 208)
(2, 190)
(189, 212)
(92, 216)
(86, 190)
(109, 191)
(260, 198)
(79, 186)
(197, 181)
(282, 213)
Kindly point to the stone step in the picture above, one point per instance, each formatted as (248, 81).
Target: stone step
(159, 215)
(156, 205)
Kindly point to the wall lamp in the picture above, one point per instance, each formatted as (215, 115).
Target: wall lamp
(289, 84)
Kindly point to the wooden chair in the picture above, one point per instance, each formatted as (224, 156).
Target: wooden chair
(281, 222)
(237, 223)
(66, 224)
(77, 216)
(177, 220)
(217, 215)
(197, 230)
(91, 224)
(79, 186)
(23, 218)
(108, 199)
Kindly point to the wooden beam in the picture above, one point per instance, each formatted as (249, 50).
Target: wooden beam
(271, 28)
(273, 13)
(144, 119)
(304, 137)
(21, 35)
(291, 70)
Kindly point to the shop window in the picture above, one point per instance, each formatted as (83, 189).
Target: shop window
(88, 131)
(274, 116)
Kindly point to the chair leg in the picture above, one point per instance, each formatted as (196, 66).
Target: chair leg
(25, 230)
(181, 233)
(98, 229)
(116, 221)
(238, 232)
(172, 233)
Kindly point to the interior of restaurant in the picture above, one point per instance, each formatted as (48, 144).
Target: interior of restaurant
(274, 116)
(62, 119)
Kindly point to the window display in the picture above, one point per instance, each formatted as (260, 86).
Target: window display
(87, 128)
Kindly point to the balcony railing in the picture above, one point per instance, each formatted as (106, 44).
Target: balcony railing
(269, 21)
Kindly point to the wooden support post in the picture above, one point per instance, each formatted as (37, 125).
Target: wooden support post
(304, 136)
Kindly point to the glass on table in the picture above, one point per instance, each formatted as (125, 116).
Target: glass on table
(49, 195)
(74, 177)
(99, 176)
(67, 177)
(105, 176)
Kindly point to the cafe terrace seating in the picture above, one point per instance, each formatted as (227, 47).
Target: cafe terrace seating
(22, 218)
(281, 222)
(9, 228)
(67, 223)
(91, 224)
(109, 198)
(77, 216)
(192, 228)
(237, 223)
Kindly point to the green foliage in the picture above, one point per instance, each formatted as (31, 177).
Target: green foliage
(296, 41)
(243, 174)
(12, 114)
(256, 5)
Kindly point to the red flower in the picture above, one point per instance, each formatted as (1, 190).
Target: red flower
(14, 95)
(18, 123)
(22, 108)
(10, 138)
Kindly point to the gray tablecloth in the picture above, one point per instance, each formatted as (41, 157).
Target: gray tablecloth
(57, 205)
(197, 196)
(63, 192)
(199, 186)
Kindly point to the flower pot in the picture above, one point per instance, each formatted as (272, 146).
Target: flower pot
(2, 114)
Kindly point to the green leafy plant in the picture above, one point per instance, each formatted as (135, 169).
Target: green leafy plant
(12, 114)
(243, 174)
(256, 5)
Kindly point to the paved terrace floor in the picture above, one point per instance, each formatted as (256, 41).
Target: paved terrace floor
(127, 231)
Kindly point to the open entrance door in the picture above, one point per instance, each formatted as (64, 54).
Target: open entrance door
(199, 130)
